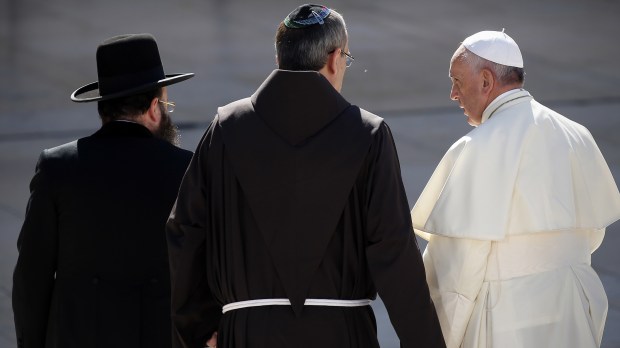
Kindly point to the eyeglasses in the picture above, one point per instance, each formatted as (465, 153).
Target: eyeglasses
(349, 58)
(169, 105)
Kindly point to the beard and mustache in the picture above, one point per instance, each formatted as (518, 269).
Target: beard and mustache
(167, 130)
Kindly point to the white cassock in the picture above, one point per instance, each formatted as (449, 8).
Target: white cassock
(512, 214)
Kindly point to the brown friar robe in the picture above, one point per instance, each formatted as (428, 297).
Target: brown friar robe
(295, 193)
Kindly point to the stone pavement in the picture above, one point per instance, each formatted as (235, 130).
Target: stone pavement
(402, 51)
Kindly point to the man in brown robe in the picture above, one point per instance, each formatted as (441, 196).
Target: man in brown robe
(292, 214)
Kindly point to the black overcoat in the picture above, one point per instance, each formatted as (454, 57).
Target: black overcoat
(295, 193)
(93, 268)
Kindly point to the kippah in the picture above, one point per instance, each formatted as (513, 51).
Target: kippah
(495, 46)
(306, 15)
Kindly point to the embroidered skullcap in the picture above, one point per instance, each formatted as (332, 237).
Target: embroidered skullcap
(306, 15)
(495, 46)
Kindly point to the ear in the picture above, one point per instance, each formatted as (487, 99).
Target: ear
(331, 68)
(152, 116)
(332, 62)
(488, 81)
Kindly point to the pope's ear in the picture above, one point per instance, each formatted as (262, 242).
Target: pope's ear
(488, 80)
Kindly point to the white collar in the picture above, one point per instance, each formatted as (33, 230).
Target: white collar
(128, 121)
(501, 100)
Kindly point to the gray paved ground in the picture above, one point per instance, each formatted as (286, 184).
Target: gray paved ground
(402, 50)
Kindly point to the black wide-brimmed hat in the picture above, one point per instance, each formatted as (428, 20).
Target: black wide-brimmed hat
(127, 65)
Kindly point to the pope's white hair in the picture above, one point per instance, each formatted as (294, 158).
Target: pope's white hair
(503, 73)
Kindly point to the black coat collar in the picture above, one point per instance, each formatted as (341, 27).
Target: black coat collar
(122, 129)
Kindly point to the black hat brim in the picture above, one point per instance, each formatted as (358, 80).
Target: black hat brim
(90, 92)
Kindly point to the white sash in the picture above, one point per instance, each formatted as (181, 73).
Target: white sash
(287, 302)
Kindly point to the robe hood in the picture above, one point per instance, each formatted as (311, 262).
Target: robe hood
(526, 169)
(296, 105)
(296, 147)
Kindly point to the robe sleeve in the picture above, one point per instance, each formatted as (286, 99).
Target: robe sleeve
(34, 275)
(455, 269)
(393, 255)
(195, 313)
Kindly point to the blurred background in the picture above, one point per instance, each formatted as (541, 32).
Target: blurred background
(402, 50)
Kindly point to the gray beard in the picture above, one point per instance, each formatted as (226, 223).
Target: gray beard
(167, 130)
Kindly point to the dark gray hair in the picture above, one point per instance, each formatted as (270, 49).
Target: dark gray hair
(127, 108)
(506, 75)
(307, 48)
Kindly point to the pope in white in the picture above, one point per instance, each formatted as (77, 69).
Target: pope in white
(513, 213)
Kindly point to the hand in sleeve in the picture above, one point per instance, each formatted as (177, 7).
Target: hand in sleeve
(455, 270)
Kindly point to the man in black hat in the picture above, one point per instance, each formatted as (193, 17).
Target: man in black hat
(292, 215)
(93, 266)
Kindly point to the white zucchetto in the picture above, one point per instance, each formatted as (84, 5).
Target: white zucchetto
(495, 46)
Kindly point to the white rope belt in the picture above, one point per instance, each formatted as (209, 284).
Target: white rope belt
(286, 302)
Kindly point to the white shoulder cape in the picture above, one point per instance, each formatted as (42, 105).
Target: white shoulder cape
(527, 169)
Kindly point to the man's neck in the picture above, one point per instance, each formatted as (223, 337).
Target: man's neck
(503, 89)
